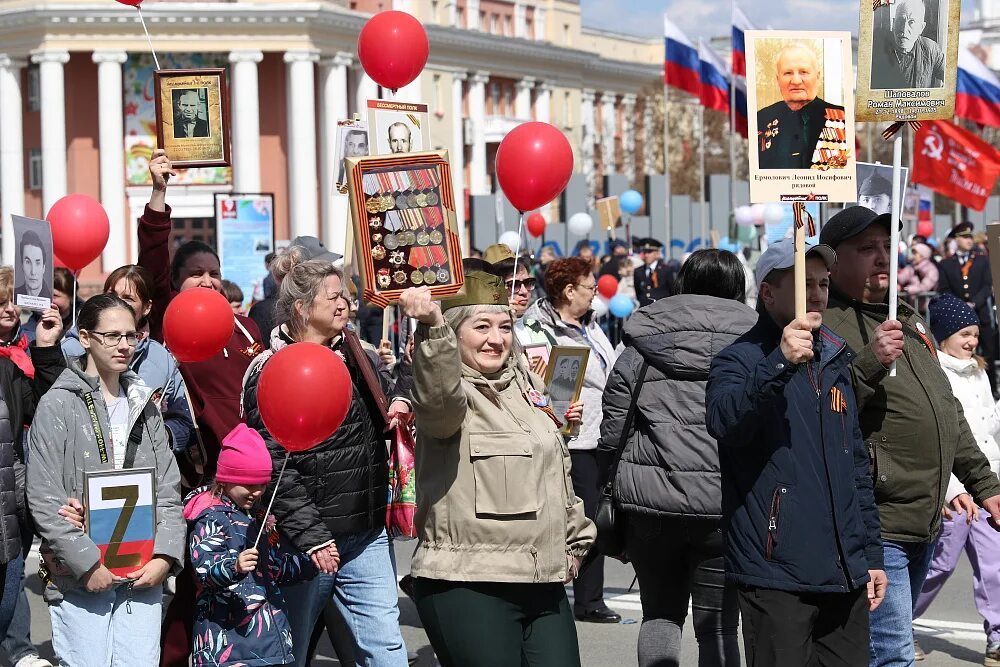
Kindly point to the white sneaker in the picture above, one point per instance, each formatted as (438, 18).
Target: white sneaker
(33, 661)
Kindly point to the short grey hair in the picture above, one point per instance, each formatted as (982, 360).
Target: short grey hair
(302, 284)
(454, 317)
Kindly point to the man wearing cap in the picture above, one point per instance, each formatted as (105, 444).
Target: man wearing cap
(876, 193)
(802, 531)
(914, 428)
(966, 274)
(653, 280)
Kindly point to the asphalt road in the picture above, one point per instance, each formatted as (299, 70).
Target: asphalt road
(951, 632)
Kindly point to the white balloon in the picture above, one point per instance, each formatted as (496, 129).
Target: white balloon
(600, 306)
(580, 224)
(774, 213)
(509, 239)
(743, 215)
(757, 213)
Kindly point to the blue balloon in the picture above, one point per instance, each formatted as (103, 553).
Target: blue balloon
(630, 201)
(620, 306)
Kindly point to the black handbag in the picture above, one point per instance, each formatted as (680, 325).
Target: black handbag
(610, 522)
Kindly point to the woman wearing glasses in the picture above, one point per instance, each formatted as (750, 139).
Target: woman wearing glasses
(565, 317)
(100, 416)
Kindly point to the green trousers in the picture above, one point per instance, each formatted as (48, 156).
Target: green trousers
(498, 625)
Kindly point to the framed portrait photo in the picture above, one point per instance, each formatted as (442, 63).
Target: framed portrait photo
(33, 264)
(398, 127)
(907, 60)
(875, 187)
(801, 116)
(609, 210)
(352, 141)
(405, 229)
(564, 378)
(538, 357)
(192, 116)
(120, 508)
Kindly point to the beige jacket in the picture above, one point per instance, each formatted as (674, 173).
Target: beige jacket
(494, 496)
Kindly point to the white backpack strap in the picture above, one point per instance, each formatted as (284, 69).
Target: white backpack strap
(254, 367)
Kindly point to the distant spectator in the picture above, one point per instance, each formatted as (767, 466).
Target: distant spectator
(921, 274)
(234, 295)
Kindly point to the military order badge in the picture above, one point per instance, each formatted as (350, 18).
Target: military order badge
(801, 117)
(907, 60)
(192, 116)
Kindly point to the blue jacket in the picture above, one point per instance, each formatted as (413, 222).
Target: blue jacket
(158, 369)
(239, 618)
(797, 501)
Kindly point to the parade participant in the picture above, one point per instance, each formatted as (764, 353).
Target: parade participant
(619, 252)
(14, 339)
(331, 500)
(921, 274)
(802, 532)
(966, 274)
(667, 481)
(654, 279)
(234, 295)
(500, 262)
(240, 615)
(500, 530)
(914, 428)
(262, 312)
(100, 416)
(955, 327)
(565, 317)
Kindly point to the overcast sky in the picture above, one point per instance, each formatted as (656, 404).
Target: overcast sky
(710, 18)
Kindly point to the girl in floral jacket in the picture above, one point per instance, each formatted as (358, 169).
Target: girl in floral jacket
(240, 617)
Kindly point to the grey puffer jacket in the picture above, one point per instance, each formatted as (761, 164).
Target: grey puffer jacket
(10, 532)
(670, 466)
(62, 446)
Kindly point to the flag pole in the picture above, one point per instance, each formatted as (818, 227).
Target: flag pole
(897, 159)
(732, 111)
(669, 241)
(701, 173)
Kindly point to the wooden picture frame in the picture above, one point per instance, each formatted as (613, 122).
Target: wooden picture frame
(405, 228)
(609, 210)
(202, 141)
(538, 357)
(120, 509)
(564, 377)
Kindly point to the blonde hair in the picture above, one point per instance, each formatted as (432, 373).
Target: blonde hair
(301, 282)
(6, 283)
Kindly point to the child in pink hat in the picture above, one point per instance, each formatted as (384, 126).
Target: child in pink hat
(240, 614)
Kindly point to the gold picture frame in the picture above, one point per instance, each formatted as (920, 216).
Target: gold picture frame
(564, 375)
(192, 116)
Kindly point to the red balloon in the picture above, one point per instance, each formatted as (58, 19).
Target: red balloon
(607, 286)
(393, 49)
(926, 229)
(303, 395)
(536, 224)
(130, 3)
(80, 230)
(197, 324)
(534, 163)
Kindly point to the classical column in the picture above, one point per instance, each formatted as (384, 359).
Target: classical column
(479, 179)
(333, 107)
(246, 120)
(53, 114)
(472, 14)
(608, 132)
(457, 154)
(543, 99)
(303, 209)
(647, 135)
(366, 90)
(522, 103)
(11, 150)
(628, 135)
(587, 141)
(111, 124)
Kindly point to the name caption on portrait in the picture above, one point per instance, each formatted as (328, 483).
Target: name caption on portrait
(906, 104)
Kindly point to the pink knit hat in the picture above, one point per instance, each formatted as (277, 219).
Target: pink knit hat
(244, 458)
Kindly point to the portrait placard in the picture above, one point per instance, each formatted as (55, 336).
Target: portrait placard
(609, 210)
(405, 229)
(33, 264)
(564, 378)
(397, 127)
(801, 119)
(192, 116)
(352, 141)
(538, 357)
(120, 508)
(875, 187)
(907, 60)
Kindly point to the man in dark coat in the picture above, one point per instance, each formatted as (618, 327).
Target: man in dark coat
(188, 123)
(654, 279)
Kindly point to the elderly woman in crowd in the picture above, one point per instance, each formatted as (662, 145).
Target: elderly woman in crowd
(921, 274)
(500, 530)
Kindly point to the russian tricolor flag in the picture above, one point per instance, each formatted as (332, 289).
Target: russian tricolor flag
(978, 91)
(682, 69)
(740, 25)
(133, 548)
(740, 100)
(714, 82)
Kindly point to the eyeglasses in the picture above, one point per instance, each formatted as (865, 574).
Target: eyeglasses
(113, 338)
(592, 288)
(516, 285)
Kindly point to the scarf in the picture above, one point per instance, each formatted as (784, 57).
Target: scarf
(17, 351)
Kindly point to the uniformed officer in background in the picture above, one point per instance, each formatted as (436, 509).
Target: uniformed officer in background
(653, 280)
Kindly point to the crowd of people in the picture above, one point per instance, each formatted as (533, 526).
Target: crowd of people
(817, 477)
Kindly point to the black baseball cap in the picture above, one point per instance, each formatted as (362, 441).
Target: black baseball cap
(850, 222)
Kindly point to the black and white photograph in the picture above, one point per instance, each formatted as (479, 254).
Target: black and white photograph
(564, 376)
(190, 113)
(395, 128)
(908, 45)
(192, 116)
(875, 186)
(33, 264)
(352, 141)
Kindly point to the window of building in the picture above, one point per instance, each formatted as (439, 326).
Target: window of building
(482, 21)
(35, 169)
(508, 100)
(567, 117)
(438, 96)
(460, 17)
(495, 24)
(434, 11)
(529, 29)
(34, 89)
(192, 229)
(566, 39)
(508, 25)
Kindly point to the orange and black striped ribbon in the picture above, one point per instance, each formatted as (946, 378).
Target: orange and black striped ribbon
(803, 218)
(891, 131)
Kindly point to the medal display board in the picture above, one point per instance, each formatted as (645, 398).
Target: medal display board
(403, 208)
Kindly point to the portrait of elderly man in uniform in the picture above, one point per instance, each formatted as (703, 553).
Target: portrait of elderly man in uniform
(399, 138)
(789, 129)
(902, 56)
(190, 114)
(355, 145)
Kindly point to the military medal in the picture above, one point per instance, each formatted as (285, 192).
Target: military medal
(373, 221)
(396, 258)
(401, 202)
(411, 199)
(374, 205)
(378, 253)
(421, 200)
(399, 277)
(423, 238)
(383, 278)
(442, 275)
(411, 238)
(436, 237)
(376, 238)
(417, 278)
(432, 199)
(430, 277)
(391, 242)
(387, 203)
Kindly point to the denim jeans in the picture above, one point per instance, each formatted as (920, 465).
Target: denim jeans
(109, 629)
(10, 575)
(365, 591)
(891, 628)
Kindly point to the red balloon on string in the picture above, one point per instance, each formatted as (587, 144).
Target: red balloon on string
(533, 165)
(80, 230)
(130, 3)
(535, 224)
(393, 49)
(607, 286)
(926, 229)
(303, 395)
(197, 324)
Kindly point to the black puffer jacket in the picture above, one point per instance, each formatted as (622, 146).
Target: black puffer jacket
(670, 466)
(339, 486)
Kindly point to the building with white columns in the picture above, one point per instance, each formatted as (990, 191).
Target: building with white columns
(76, 100)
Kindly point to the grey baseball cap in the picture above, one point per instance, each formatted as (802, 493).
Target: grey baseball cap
(781, 255)
(313, 248)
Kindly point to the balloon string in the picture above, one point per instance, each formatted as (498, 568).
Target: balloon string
(517, 254)
(263, 522)
(151, 49)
